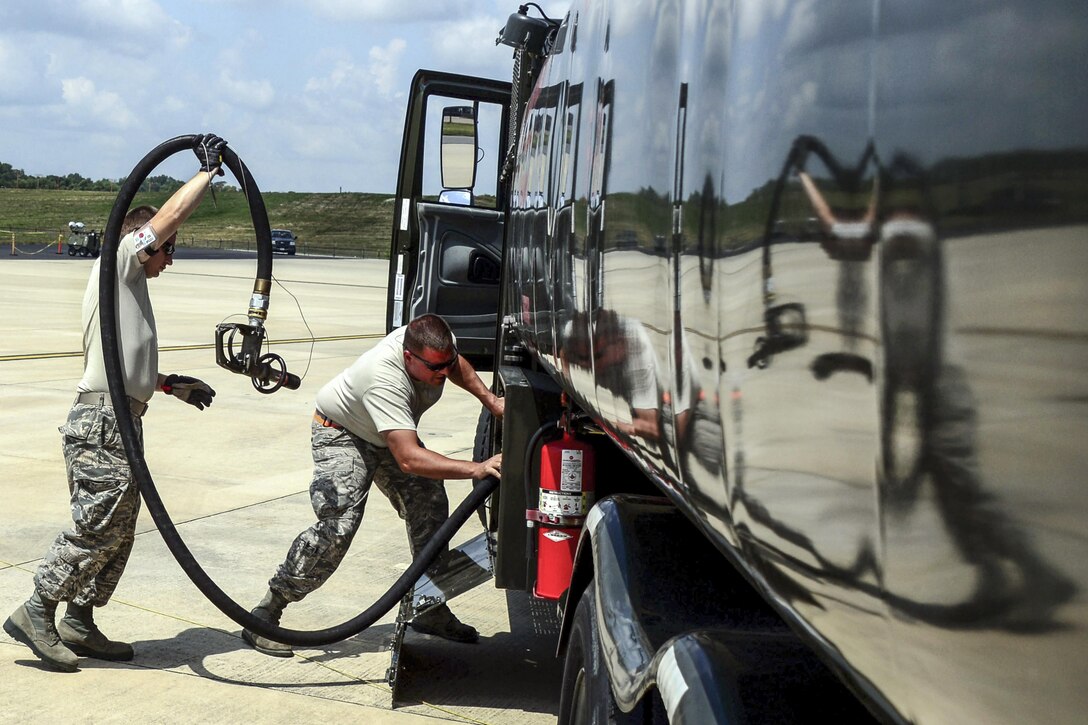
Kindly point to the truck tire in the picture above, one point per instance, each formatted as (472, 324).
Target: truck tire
(586, 696)
(482, 445)
(483, 448)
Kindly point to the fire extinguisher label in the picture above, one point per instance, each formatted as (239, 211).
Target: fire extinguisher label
(559, 503)
(570, 470)
(557, 536)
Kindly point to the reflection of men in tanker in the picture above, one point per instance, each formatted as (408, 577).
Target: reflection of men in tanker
(699, 434)
(621, 356)
(928, 425)
(626, 365)
(848, 238)
(928, 432)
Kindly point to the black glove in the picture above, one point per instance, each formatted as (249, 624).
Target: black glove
(192, 391)
(209, 152)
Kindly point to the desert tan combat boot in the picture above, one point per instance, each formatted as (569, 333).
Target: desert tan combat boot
(33, 625)
(270, 609)
(81, 635)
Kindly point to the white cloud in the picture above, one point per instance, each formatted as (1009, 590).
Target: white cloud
(85, 101)
(171, 105)
(21, 81)
(252, 94)
(753, 15)
(343, 75)
(408, 11)
(452, 52)
(346, 79)
(384, 62)
(130, 27)
(91, 85)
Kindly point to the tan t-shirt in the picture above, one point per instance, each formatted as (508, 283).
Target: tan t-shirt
(135, 327)
(376, 393)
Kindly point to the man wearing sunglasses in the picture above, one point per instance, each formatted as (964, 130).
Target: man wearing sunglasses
(85, 563)
(365, 430)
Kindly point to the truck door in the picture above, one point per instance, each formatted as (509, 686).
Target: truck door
(448, 221)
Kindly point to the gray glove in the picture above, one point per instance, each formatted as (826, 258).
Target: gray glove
(192, 391)
(209, 152)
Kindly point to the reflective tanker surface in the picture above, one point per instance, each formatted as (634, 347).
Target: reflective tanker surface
(820, 267)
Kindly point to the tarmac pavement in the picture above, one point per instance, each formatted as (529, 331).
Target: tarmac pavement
(234, 479)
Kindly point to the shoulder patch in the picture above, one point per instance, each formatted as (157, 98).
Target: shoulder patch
(144, 237)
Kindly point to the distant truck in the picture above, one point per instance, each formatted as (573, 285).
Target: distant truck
(284, 241)
(795, 365)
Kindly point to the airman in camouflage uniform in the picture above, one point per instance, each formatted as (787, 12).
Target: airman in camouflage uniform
(364, 432)
(105, 504)
(344, 466)
(85, 563)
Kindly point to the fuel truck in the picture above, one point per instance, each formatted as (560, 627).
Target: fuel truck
(787, 303)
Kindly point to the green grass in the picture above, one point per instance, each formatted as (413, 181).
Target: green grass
(341, 224)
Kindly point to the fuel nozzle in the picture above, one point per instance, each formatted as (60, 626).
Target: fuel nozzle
(238, 349)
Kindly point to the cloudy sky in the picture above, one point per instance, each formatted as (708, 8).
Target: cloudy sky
(310, 94)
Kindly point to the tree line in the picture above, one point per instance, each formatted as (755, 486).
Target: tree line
(12, 178)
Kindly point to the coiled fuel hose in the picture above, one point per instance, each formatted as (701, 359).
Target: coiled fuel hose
(134, 452)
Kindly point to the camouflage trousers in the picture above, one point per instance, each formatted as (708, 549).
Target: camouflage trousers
(344, 467)
(85, 563)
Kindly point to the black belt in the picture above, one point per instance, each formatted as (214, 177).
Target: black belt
(137, 408)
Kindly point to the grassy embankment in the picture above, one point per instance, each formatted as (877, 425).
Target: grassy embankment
(350, 224)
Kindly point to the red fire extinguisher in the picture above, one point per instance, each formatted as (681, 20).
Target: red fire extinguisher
(566, 495)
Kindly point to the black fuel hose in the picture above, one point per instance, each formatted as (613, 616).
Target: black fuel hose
(107, 292)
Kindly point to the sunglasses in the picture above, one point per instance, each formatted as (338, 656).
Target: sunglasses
(168, 248)
(435, 367)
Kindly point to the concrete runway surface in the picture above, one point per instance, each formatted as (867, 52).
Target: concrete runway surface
(234, 478)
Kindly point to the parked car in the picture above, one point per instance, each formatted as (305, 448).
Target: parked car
(283, 240)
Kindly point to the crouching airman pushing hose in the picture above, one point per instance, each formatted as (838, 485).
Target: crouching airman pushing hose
(85, 563)
(364, 431)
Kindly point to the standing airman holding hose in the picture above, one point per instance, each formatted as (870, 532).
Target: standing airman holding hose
(85, 563)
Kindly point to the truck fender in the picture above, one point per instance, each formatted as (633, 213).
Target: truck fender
(610, 560)
(700, 634)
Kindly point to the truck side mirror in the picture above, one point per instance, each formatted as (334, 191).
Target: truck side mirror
(459, 144)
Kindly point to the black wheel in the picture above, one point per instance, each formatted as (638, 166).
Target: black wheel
(484, 446)
(71, 251)
(586, 697)
(291, 253)
(581, 701)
